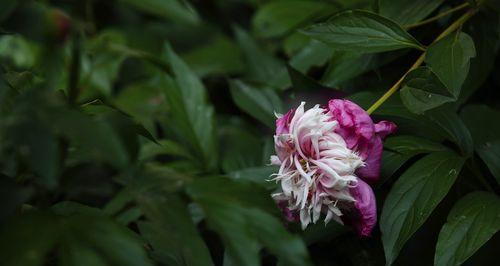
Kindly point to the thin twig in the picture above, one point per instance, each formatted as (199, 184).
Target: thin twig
(454, 26)
(438, 16)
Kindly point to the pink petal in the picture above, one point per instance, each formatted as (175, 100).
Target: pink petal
(365, 207)
(283, 123)
(384, 128)
(361, 135)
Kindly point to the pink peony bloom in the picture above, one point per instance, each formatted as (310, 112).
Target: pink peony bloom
(361, 135)
(321, 152)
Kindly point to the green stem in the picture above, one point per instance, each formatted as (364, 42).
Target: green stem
(438, 16)
(454, 26)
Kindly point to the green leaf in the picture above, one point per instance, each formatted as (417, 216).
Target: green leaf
(452, 128)
(485, 31)
(72, 234)
(258, 174)
(314, 53)
(36, 226)
(12, 195)
(391, 162)
(486, 134)
(422, 90)
(171, 231)
(101, 65)
(18, 50)
(192, 114)
(411, 145)
(261, 65)
(94, 138)
(143, 101)
(179, 11)
(242, 149)
(472, 222)
(407, 11)
(245, 217)
(261, 103)
(219, 56)
(346, 65)
(278, 18)
(301, 82)
(6, 8)
(450, 58)
(414, 196)
(362, 31)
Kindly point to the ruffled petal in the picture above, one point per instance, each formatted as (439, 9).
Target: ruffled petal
(361, 135)
(384, 128)
(283, 123)
(365, 207)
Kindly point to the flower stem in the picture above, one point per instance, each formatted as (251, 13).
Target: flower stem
(455, 25)
(438, 16)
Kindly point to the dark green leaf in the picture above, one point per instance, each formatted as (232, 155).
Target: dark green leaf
(36, 226)
(362, 31)
(450, 58)
(176, 10)
(472, 222)
(261, 65)
(452, 128)
(242, 149)
(100, 67)
(486, 134)
(391, 162)
(259, 175)
(261, 103)
(301, 82)
(243, 217)
(77, 234)
(277, 18)
(422, 90)
(191, 112)
(315, 53)
(94, 138)
(411, 145)
(485, 31)
(407, 11)
(220, 56)
(414, 196)
(171, 231)
(6, 7)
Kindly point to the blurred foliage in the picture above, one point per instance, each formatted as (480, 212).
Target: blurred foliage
(138, 132)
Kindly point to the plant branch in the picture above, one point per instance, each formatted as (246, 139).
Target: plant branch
(454, 26)
(438, 16)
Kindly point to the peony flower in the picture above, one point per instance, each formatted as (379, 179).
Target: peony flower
(325, 155)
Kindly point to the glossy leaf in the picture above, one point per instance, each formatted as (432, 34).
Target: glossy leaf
(171, 232)
(485, 32)
(407, 11)
(414, 196)
(411, 145)
(472, 222)
(277, 18)
(453, 128)
(261, 65)
(261, 103)
(362, 31)
(175, 10)
(450, 58)
(485, 133)
(193, 115)
(219, 56)
(422, 90)
(244, 219)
